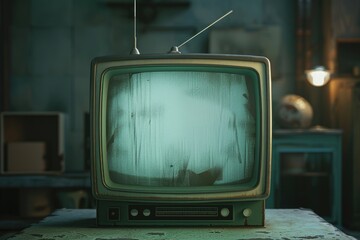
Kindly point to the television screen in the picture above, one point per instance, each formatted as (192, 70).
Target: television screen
(173, 128)
(180, 129)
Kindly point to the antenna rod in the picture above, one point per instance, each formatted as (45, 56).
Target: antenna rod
(135, 40)
(135, 50)
(205, 29)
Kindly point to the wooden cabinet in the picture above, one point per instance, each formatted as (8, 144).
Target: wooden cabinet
(26, 198)
(32, 180)
(306, 171)
(344, 99)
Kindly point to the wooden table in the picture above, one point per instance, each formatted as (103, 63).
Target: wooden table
(284, 224)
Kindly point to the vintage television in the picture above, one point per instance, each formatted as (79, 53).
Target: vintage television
(181, 139)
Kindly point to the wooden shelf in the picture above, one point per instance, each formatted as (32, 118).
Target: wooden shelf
(305, 174)
(79, 180)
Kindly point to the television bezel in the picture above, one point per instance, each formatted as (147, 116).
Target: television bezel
(100, 67)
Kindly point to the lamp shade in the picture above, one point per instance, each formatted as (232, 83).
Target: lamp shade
(318, 76)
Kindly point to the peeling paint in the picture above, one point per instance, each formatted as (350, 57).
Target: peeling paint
(60, 236)
(256, 239)
(156, 233)
(36, 235)
(116, 239)
(312, 237)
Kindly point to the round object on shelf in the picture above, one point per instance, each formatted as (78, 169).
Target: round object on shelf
(294, 112)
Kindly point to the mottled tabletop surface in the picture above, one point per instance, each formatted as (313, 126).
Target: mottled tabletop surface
(281, 224)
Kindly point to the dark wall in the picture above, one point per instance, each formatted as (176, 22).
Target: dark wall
(53, 42)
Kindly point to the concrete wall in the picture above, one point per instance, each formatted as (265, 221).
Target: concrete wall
(54, 41)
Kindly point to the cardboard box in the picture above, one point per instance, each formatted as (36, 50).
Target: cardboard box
(35, 203)
(26, 157)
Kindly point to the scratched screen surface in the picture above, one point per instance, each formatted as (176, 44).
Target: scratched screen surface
(180, 129)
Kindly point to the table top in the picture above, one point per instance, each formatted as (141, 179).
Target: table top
(319, 130)
(281, 224)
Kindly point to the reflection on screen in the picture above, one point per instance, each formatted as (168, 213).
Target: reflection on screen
(180, 129)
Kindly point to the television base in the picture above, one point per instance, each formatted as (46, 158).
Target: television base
(242, 213)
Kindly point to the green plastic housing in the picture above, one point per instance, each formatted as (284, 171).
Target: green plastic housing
(228, 205)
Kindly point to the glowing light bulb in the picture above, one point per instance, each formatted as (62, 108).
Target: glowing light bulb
(318, 76)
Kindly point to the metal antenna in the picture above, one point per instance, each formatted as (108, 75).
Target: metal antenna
(175, 49)
(135, 51)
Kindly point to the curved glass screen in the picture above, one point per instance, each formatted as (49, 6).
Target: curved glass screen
(181, 128)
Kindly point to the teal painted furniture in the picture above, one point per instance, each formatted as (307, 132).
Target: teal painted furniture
(306, 171)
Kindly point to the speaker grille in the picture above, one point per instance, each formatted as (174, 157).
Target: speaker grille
(186, 212)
